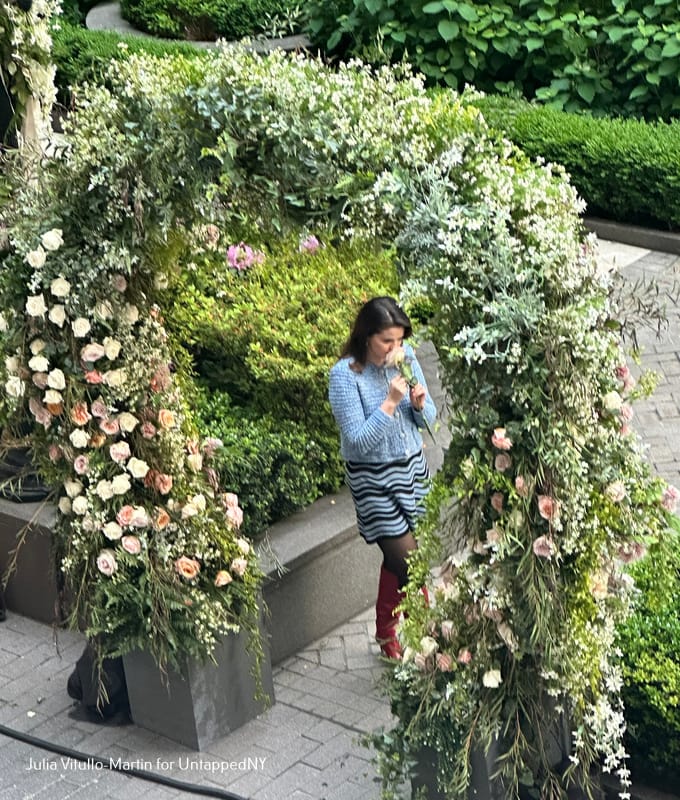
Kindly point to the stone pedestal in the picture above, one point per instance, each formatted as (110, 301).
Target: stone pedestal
(206, 702)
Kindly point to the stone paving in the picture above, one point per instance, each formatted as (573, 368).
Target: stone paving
(308, 745)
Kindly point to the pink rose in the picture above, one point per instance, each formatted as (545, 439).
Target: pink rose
(497, 501)
(444, 662)
(40, 412)
(106, 562)
(99, 409)
(548, 507)
(124, 515)
(139, 518)
(119, 282)
(631, 551)
(447, 629)
(502, 462)
(55, 453)
(92, 352)
(669, 498)
(521, 486)
(81, 465)
(499, 440)
(239, 566)
(94, 377)
(40, 379)
(148, 430)
(163, 483)
(187, 567)
(119, 452)
(161, 379)
(543, 547)
(310, 245)
(421, 662)
(626, 412)
(464, 656)
(131, 544)
(110, 426)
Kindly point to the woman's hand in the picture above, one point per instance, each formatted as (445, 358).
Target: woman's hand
(395, 394)
(418, 396)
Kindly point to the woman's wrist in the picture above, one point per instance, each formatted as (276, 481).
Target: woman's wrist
(389, 406)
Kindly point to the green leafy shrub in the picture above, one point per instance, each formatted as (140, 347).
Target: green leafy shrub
(625, 169)
(622, 54)
(650, 641)
(204, 19)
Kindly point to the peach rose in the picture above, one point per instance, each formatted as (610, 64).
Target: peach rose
(548, 507)
(223, 578)
(464, 656)
(124, 515)
(543, 547)
(166, 418)
(239, 566)
(444, 662)
(79, 413)
(94, 376)
(162, 519)
(163, 483)
(499, 440)
(187, 567)
(497, 501)
(502, 462)
(521, 486)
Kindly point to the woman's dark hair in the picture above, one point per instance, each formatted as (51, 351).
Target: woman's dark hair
(374, 316)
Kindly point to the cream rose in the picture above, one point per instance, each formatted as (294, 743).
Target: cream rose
(223, 578)
(36, 258)
(115, 377)
(428, 646)
(616, 491)
(37, 346)
(239, 566)
(112, 531)
(39, 364)
(120, 452)
(56, 380)
(104, 490)
(79, 438)
(73, 488)
(80, 327)
(57, 315)
(35, 306)
(14, 386)
(137, 467)
(121, 484)
(492, 679)
(64, 505)
(130, 314)
(60, 287)
(111, 348)
(80, 505)
(52, 239)
(127, 421)
(195, 462)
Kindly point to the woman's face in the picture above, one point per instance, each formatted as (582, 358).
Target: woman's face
(382, 343)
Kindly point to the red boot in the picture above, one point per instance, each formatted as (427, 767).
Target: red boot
(389, 597)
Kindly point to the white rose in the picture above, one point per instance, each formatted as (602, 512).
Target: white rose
(195, 461)
(38, 364)
(56, 380)
(111, 348)
(79, 505)
(130, 314)
(160, 281)
(80, 327)
(137, 468)
(115, 377)
(189, 510)
(52, 398)
(612, 401)
(73, 488)
(52, 240)
(616, 491)
(60, 287)
(243, 546)
(492, 678)
(199, 501)
(36, 258)
(12, 364)
(127, 421)
(3, 323)
(79, 438)
(121, 483)
(35, 306)
(15, 386)
(104, 490)
(64, 505)
(104, 310)
(37, 346)
(57, 315)
(428, 646)
(112, 530)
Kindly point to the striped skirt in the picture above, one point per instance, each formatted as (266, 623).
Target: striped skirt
(388, 498)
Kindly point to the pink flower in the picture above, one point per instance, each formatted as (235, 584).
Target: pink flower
(124, 516)
(499, 440)
(187, 567)
(161, 379)
(40, 379)
(447, 629)
(110, 426)
(444, 662)
(239, 566)
(669, 498)
(119, 452)
(543, 547)
(521, 486)
(55, 453)
(148, 430)
(131, 544)
(548, 507)
(502, 462)
(119, 282)
(241, 256)
(464, 656)
(631, 551)
(497, 502)
(163, 483)
(139, 518)
(81, 465)
(310, 245)
(92, 352)
(94, 377)
(626, 413)
(99, 409)
(40, 412)
(106, 562)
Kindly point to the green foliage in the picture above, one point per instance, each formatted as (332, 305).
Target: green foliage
(84, 56)
(650, 642)
(204, 20)
(262, 342)
(627, 170)
(604, 54)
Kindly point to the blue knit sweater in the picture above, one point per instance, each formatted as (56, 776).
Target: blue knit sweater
(367, 433)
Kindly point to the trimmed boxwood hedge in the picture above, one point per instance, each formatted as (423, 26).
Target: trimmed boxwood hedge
(626, 170)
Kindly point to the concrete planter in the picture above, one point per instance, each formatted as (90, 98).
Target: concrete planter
(205, 702)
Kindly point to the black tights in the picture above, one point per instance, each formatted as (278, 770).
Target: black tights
(395, 550)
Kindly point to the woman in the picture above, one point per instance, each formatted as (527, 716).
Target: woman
(379, 416)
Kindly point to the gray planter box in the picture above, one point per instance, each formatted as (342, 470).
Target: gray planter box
(206, 702)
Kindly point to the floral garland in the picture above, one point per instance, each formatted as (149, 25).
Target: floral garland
(26, 67)
(147, 542)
